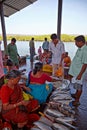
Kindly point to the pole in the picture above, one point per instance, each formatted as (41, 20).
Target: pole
(59, 19)
(3, 25)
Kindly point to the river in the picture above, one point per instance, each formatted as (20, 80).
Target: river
(23, 47)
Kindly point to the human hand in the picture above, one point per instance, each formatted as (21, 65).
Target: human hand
(25, 102)
(78, 77)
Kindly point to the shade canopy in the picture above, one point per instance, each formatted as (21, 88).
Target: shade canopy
(12, 6)
(9, 7)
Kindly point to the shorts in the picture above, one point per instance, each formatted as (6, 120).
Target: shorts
(77, 86)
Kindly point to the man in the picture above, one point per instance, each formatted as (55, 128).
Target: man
(32, 51)
(45, 44)
(78, 67)
(12, 53)
(57, 49)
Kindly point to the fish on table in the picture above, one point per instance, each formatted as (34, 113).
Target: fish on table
(35, 128)
(66, 124)
(42, 125)
(54, 113)
(63, 108)
(57, 126)
(61, 97)
(65, 119)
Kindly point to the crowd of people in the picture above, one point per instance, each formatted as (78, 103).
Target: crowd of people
(53, 53)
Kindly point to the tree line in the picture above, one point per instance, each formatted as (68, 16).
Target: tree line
(64, 37)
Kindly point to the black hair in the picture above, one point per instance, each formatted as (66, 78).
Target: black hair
(13, 74)
(9, 62)
(32, 38)
(45, 38)
(53, 36)
(38, 67)
(13, 39)
(66, 53)
(80, 38)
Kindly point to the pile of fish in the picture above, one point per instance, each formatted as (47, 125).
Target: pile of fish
(58, 115)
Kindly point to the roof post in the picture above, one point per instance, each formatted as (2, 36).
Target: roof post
(3, 25)
(59, 18)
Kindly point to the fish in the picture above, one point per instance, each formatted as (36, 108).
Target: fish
(66, 124)
(58, 93)
(35, 128)
(62, 101)
(54, 113)
(62, 97)
(63, 108)
(65, 119)
(42, 125)
(57, 126)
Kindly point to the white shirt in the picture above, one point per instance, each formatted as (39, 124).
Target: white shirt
(57, 51)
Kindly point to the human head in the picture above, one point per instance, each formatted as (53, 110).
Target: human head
(38, 67)
(79, 41)
(13, 40)
(45, 39)
(54, 38)
(32, 38)
(13, 75)
(66, 53)
(9, 62)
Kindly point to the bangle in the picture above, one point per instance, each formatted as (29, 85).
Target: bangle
(14, 105)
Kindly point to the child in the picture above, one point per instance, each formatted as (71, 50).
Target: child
(9, 66)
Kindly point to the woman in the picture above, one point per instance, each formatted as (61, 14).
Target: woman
(37, 83)
(15, 108)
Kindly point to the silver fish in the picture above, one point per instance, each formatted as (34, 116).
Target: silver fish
(62, 97)
(58, 93)
(54, 113)
(67, 124)
(65, 119)
(63, 108)
(34, 128)
(57, 126)
(42, 125)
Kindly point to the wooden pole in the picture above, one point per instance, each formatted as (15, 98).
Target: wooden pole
(59, 19)
(3, 25)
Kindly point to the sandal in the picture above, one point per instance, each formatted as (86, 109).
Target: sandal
(73, 96)
(75, 103)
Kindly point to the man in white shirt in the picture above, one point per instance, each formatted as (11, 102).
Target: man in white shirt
(56, 47)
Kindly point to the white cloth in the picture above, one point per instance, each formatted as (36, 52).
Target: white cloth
(57, 51)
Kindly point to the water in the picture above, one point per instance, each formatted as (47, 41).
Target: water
(23, 47)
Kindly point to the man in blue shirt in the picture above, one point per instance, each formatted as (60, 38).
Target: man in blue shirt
(45, 45)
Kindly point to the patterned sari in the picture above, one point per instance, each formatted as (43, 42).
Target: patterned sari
(22, 113)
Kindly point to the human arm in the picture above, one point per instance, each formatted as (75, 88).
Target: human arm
(8, 106)
(25, 88)
(82, 71)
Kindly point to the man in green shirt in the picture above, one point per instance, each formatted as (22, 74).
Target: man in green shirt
(12, 53)
(78, 66)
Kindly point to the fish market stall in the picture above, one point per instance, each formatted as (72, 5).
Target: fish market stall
(58, 115)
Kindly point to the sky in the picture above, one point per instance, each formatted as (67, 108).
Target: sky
(41, 18)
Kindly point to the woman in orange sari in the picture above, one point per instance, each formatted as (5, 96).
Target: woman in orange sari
(14, 107)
